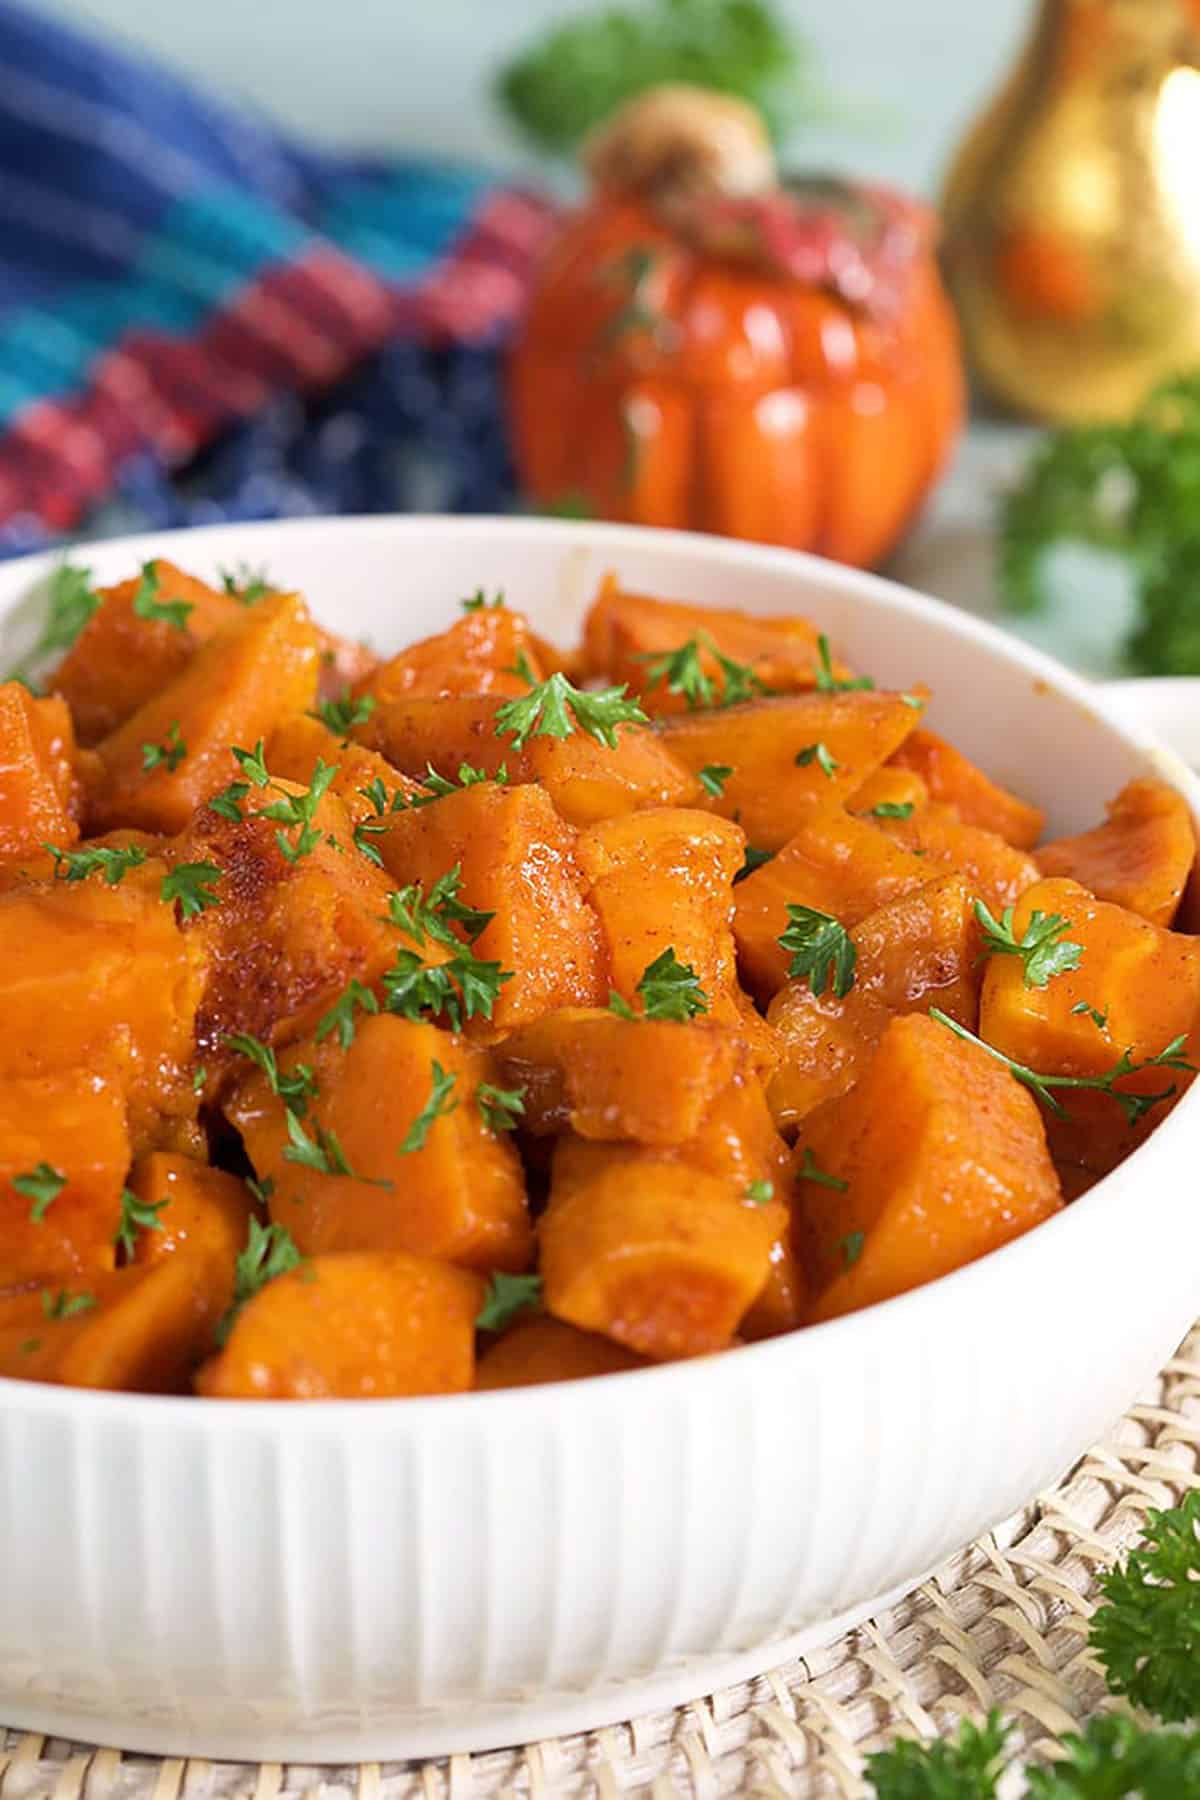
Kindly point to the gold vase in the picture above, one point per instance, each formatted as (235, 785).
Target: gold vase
(1072, 212)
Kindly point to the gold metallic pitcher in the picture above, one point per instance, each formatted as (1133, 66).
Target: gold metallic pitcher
(1072, 227)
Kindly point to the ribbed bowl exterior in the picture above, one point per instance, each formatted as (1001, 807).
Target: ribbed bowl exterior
(344, 1581)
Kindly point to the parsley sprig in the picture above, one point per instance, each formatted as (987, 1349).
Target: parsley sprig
(435, 914)
(440, 1103)
(147, 605)
(296, 812)
(192, 886)
(1134, 1106)
(295, 1088)
(810, 1170)
(78, 865)
(437, 786)
(136, 1216)
(70, 602)
(500, 1108)
(65, 1305)
(822, 950)
(42, 1185)
(556, 707)
(341, 716)
(506, 1296)
(270, 1252)
(479, 602)
(169, 754)
(339, 1021)
(1042, 947)
(465, 987)
(826, 682)
(682, 671)
(822, 756)
(246, 585)
(668, 989)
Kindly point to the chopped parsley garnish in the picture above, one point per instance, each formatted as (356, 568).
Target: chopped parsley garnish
(113, 865)
(466, 986)
(1042, 947)
(713, 778)
(820, 754)
(147, 605)
(322, 1152)
(479, 602)
(191, 885)
(42, 1185)
(556, 708)
(341, 716)
(64, 1305)
(821, 949)
(754, 859)
(169, 754)
(246, 585)
(199, 1079)
(296, 811)
(435, 914)
(269, 1252)
(438, 1105)
(669, 990)
(339, 1020)
(1099, 1019)
(295, 1089)
(760, 1192)
(70, 602)
(892, 809)
(136, 1215)
(437, 786)
(851, 1247)
(1146, 1630)
(826, 681)
(228, 803)
(1134, 1106)
(682, 672)
(252, 763)
(809, 1171)
(500, 1108)
(506, 1296)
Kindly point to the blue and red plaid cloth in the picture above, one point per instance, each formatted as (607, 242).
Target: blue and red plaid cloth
(202, 320)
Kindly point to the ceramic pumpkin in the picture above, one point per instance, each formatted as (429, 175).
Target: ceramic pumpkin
(712, 346)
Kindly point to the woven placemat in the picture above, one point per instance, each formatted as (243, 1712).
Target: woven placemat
(1004, 1623)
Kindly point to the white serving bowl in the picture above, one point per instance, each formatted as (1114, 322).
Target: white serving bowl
(360, 1580)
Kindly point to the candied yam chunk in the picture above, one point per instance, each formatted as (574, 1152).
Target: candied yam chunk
(790, 754)
(142, 1330)
(39, 789)
(650, 1252)
(889, 791)
(651, 1080)
(100, 978)
(361, 1325)
(663, 880)
(477, 655)
(64, 1151)
(287, 933)
(995, 872)
(1136, 989)
(836, 864)
(364, 782)
(919, 951)
(585, 779)
(196, 1208)
(784, 1301)
(943, 1157)
(1140, 858)
(627, 636)
(519, 862)
(429, 1174)
(953, 780)
(539, 1350)
(236, 689)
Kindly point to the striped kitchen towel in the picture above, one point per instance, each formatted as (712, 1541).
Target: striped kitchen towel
(200, 319)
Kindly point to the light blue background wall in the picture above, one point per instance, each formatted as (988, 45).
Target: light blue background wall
(413, 73)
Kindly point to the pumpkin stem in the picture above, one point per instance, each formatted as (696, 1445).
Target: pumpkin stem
(678, 141)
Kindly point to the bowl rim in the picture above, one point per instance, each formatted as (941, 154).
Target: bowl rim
(1084, 1218)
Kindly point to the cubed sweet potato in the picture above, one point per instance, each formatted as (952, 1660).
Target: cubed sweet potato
(663, 880)
(995, 871)
(889, 788)
(650, 1252)
(836, 864)
(477, 655)
(69, 1127)
(943, 1156)
(952, 779)
(918, 951)
(520, 862)
(356, 1326)
(1142, 981)
(785, 1300)
(458, 1193)
(198, 1209)
(236, 689)
(790, 754)
(40, 795)
(1140, 858)
(625, 633)
(586, 780)
(538, 1350)
(302, 741)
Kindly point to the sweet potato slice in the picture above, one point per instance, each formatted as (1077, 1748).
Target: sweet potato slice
(1140, 858)
(919, 951)
(457, 1193)
(1144, 984)
(538, 1350)
(301, 742)
(994, 871)
(836, 864)
(650, 1081)
(139, 1329)
(40, 796)
(652, 1253)
(235, 690)
(789, 755)
(888, 791)
(663, 880)
(625, 633)
(944, 1158)
(198, 1209)
(356, 1326)
(520, 862)
(71, 1128)
(952, 779)
(477, 655)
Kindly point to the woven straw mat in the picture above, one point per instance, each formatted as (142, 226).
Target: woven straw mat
(1003, 1623)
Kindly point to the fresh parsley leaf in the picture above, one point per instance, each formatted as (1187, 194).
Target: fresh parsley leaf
(682, 671)
(64, 1305)
(438, 1105)
(435, 914)
(713, 778)
(192, 886)
(965, 1767)
(556, 708)
(1146, 1631)
(170, 753)
(500, 1108)
(339, 1020)
(437, 786)
(759, 1193)
(27, 1346)
(147, 605)
(1113, 1757)
(113, 865)
(1134, 1106)
(826, 682)
(913, 700)
(136, 1215)
(228, 803)
(851, 1247)
(42, 1184)
(506, 1296)
(1099, 1019)
(341, 716)
(252, 763)
(70, 602)
(820, 754)
(295, 1089)
(323, 1152)
(809, 1171)
(199, 1079)
(296, 811)
(669, 990)
(262, 1190)
(246, 585)
(754, 859)
(1042, 948)
(821, 950)
(892, 809)
(362, 838)
(465, 986)
(270, 1252)
(479, 602)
